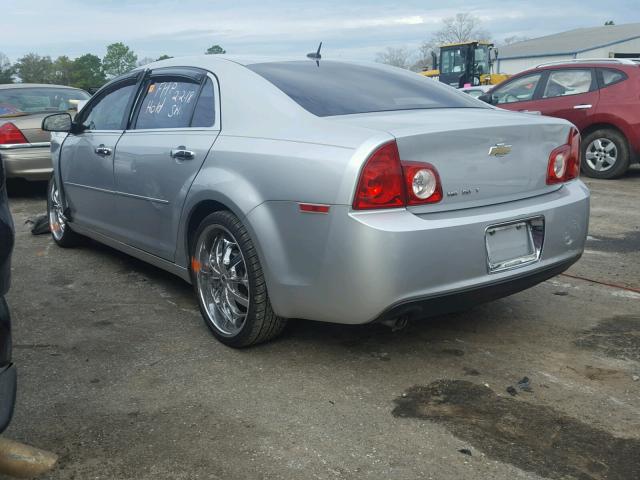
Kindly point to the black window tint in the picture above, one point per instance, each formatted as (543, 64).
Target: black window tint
(610, 77)
(336, 88)
(109, 112)
(205, 113)
(167, 104)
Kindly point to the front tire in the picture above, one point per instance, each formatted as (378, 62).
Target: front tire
(229, 283)
(605, 154)
(60, 231)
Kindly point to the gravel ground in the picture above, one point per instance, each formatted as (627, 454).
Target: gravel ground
(121, 378)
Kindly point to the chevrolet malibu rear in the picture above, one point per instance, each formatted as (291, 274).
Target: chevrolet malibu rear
(342, 192)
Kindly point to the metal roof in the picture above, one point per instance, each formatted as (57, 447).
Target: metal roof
(572, 42)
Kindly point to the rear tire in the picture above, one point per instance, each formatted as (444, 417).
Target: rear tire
(60, 230)
(229, 283)
(605, 154)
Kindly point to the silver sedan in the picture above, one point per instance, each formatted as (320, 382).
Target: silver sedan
(334, 191)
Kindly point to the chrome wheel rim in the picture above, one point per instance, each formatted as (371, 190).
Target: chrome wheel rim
(57, 222)
(222, 279)
(601, 154)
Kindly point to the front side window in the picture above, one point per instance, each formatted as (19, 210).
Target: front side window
(567, 82)
(519, 90)
(109, 112)
(167, 104)
(338, 88)
(453, 60)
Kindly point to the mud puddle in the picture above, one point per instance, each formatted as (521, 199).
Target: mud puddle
(531, 437)
(617, 337)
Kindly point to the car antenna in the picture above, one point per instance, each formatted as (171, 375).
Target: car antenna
(316, 55)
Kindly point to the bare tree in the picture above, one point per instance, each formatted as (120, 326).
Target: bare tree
(461, 28)
(397, 57)
(424, 60)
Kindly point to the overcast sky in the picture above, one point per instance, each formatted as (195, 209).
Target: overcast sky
(353, 29)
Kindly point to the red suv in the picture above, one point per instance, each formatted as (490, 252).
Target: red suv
(600, 97)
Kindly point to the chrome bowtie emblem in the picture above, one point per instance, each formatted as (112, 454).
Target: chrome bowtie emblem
(500, 150)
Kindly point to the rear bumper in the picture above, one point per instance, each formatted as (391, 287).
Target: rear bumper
(28, 161)
(462, 300)
(356, 267)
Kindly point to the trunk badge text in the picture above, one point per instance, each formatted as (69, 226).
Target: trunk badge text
(464, 191)
(500, 150)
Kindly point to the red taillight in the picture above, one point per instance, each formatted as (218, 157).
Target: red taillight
(381, 184)
(10, 134)
(386, 182)
(564, 161)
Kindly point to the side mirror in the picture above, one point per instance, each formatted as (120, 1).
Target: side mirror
(487, 98)
(58, 122)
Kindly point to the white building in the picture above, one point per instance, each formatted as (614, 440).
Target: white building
(611, 41)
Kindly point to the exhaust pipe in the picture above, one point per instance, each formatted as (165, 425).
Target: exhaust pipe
(397, 323)
(22, 461)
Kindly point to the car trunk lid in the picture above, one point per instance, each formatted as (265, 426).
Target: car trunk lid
(483, 156)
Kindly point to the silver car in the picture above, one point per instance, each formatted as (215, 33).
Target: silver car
(24, 147)
(333, 191)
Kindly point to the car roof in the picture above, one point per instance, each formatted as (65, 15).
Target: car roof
(5, 86)
(622, 63)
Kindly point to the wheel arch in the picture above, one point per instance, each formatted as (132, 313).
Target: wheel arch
(604, 126)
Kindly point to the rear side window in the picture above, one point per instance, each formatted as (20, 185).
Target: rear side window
(167, 104)
(204, 114)
(609, 77)
(568, 82)
(336, 88)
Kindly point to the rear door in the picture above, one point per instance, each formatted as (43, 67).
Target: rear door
(175, 123)
(570, 93)
(87, 157)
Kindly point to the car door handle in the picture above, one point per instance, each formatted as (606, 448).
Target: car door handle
(531, 112)
(584, 106)
(181, 153)
(103, 151)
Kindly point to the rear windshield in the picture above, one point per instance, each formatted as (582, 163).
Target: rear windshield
(39, 99)
(336, 88)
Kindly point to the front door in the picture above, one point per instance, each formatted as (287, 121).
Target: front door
(87, 157)
(519, 93)
(157, 159)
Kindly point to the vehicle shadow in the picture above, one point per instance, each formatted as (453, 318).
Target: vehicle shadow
(19, 189)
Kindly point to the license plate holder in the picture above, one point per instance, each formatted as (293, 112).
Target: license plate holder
(510, 246)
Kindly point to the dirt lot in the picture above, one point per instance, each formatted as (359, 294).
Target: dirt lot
(120, 377)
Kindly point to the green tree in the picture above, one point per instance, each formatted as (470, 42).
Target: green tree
(609, 22)
(119, 59)
(62, 70)
(6, 69)
(87, 72)
(32, 68)
(215, 50)
(163, 57)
